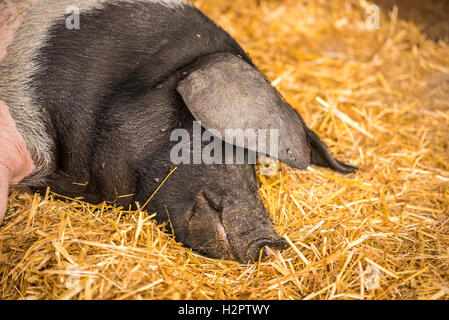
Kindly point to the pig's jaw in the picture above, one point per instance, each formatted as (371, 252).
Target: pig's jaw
(15, 159)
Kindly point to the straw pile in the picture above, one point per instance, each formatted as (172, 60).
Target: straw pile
(379, 99)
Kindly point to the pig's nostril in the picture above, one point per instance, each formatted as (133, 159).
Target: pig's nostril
(272, 244)
(268, 252)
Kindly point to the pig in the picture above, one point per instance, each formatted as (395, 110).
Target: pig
(91, 92)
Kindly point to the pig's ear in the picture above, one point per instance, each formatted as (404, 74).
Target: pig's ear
(322, 157)
(222, 91)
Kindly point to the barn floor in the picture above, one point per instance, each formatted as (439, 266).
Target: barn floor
(378, 97)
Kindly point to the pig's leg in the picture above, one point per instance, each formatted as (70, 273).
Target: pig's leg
(15, 160)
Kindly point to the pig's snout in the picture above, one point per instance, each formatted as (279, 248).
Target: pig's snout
(231, 229)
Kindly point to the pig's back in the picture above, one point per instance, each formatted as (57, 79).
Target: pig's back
(11, 16)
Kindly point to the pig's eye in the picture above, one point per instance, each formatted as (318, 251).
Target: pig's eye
(213, 199)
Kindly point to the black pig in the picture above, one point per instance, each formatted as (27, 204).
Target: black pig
(95, 105)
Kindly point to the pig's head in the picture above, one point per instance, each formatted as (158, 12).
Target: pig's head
(215, 209)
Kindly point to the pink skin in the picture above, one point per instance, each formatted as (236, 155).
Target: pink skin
(15, 159)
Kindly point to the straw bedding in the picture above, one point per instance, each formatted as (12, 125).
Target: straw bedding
(379, 99)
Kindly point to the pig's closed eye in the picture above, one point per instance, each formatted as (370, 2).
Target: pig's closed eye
(204, 200)
(213, 199)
